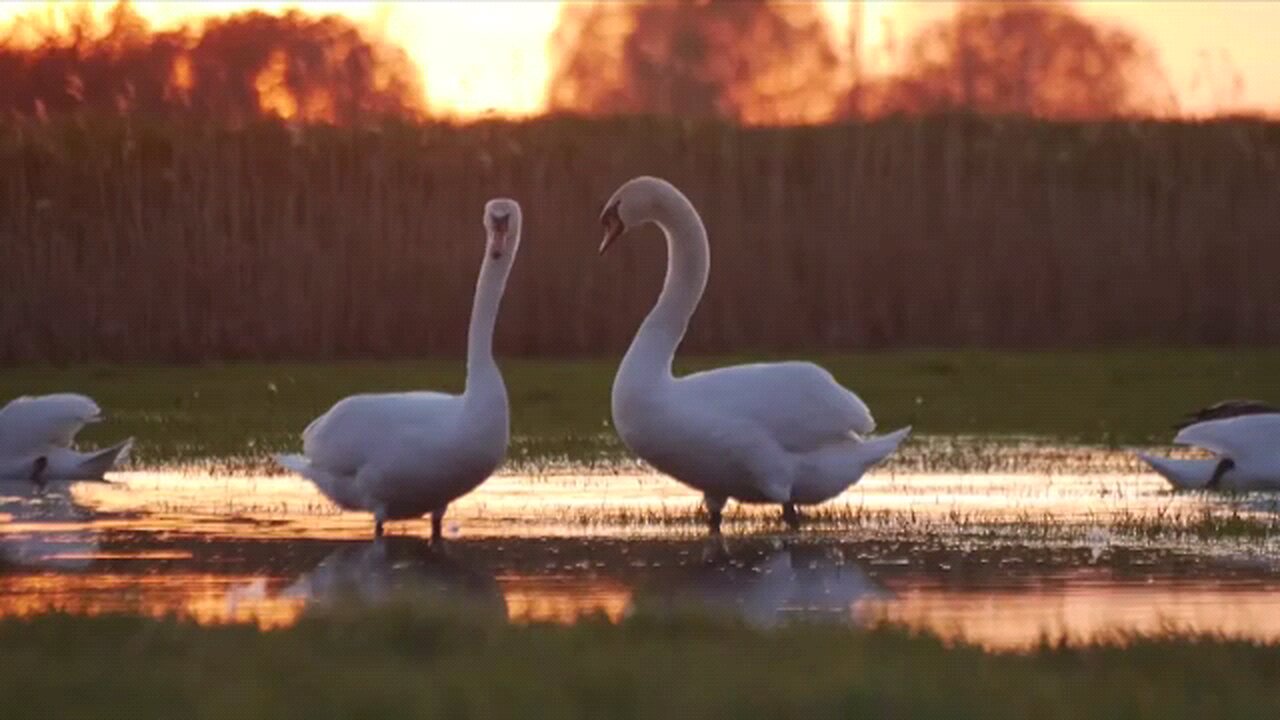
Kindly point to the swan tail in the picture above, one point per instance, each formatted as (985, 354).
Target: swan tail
(1182, 474)
(95, 465)
(874, 450)
(294, 463)
(331, 486)
(832, 469)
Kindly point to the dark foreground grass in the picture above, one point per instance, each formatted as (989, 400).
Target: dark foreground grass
(561, 407)
(408, 663)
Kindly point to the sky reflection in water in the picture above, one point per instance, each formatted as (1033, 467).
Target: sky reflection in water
(556, 548)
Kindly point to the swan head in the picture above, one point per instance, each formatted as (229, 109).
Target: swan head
(638, 201)
(502, 223)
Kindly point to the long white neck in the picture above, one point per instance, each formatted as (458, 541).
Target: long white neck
(483, 377)
(648, 361)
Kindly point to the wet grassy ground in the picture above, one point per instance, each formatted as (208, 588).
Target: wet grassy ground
(411, 661)
(1015, 512)
(560, 408)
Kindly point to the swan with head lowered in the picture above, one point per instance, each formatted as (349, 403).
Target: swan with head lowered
(36, 434)
(784, 433)
(1244, 437)
(404, 455)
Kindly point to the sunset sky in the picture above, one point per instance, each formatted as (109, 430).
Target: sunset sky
(481, 56)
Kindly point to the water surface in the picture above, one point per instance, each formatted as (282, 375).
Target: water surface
(1088, 549)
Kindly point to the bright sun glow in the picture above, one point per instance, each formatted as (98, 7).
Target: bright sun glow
(492, 56)
(476, 57)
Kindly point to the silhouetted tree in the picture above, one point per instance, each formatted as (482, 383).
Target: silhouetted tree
(237, 67)
(1038, 59)
(757, 62)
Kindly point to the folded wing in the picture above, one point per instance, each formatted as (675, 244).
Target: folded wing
(1227, 409)
(1241, 438)
(35, 424)
(355, 429)
(798, 403)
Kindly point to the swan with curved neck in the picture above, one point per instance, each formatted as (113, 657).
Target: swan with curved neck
(784, 433)
(404, 455)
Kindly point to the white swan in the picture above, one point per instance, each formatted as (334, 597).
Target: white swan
(1245, 438)
(403, 455)
(783, 433)
(36, 434)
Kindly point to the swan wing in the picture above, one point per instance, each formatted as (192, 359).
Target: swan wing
(359, 427)
(47, 421)
(1227, 409)
(798, 403)
(1240, 438)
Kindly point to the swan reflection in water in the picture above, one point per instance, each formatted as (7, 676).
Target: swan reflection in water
(766, 586)
(68, 543)
(398, 569)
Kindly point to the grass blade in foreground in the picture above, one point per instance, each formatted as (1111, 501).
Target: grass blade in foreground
(404, 661)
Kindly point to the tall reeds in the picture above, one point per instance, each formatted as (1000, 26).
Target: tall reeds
(122, 239)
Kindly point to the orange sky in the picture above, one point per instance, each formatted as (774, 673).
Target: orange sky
(487, 55)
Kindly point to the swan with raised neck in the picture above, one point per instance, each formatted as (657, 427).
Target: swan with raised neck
(403, 455)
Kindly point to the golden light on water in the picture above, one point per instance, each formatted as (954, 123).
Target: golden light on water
(563, 601)
(218, 542)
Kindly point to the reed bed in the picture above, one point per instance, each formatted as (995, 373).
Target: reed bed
(127, 239)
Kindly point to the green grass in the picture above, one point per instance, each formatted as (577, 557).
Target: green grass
(409, 662)
(561, 407)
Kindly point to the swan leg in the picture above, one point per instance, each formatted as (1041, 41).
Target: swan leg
(1215, 482)
(790, 516)
(437, 524)
(715, 512)
(37, 471)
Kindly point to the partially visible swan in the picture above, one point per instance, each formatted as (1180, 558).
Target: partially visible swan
(783, 433)
(403, 455)
(1245, 438)
(36, 434)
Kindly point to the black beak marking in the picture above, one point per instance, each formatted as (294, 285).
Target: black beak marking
(501, 224)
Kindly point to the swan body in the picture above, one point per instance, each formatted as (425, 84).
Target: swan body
(36, 435)
(783, 433)
(403, 455)
(1246, 448)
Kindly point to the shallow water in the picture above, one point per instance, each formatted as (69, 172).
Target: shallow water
(1092, 550)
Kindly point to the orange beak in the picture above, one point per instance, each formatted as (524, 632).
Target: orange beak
(613, 226)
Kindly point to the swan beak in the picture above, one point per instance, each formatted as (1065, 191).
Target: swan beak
(499, 225)
(613, 226)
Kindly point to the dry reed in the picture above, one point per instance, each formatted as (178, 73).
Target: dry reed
(122, 239)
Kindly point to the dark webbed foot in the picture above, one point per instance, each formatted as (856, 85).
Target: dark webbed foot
(790, 516)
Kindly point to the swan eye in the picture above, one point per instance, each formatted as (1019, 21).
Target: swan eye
(610, 217)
